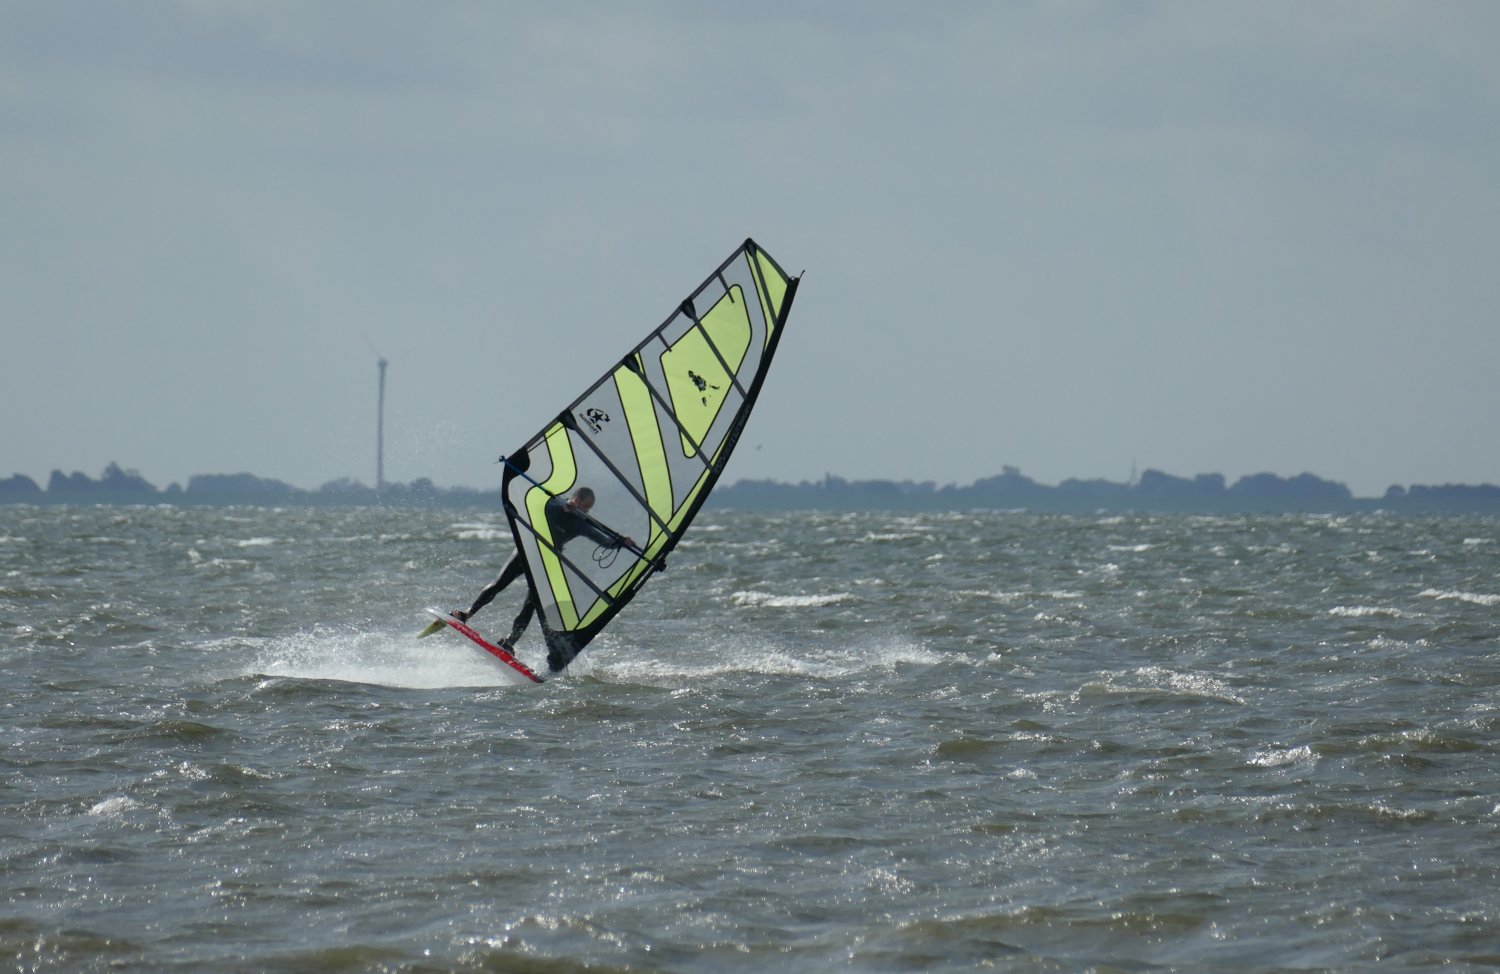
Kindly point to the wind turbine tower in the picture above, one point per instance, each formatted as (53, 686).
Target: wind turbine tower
(380, 432)
(379, 420)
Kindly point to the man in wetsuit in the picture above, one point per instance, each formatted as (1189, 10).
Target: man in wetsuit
(567, 519)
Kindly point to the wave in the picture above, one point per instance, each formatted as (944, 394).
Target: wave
(1364, 611)
(1281, 757)
(789, 601)
(474, 531)
(1477, 598)
(115, 805)
(1160, 682)
(1061, 595)
(753, 657)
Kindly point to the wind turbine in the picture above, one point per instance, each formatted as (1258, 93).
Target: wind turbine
(379, 420)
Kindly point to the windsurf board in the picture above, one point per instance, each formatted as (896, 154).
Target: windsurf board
(514, 670)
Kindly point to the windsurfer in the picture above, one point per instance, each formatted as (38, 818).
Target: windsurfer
(566, 519)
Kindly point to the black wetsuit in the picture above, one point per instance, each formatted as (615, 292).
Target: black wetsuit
(565, 523)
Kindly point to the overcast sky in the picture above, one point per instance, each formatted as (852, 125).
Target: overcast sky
(1067, 237)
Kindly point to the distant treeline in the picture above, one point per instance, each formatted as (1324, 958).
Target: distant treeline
(1153, 491)
(119, 486)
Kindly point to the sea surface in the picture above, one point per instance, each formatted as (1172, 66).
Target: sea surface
(853, 742)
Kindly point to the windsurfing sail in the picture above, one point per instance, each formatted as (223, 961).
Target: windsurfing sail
(649, 438)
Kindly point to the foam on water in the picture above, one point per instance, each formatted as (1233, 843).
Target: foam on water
(115, 805)
(774, 601)
(472, 531)
(1477, 598)
(1364, 611)
(379, 658)
(1163, 681)
(750, 656)
(1283, 757)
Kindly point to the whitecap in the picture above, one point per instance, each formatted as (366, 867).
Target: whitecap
(223, 563)
(1477, 598)
(985, 594)
(1386, 642)
(741, 656)
(1190, 684)
(886, 536)
(481, 533)
(1158, 679)
(114, 805)
(654, 670)
(1281, 757)
(789, 601)
(1392, 813)
(1362, 611)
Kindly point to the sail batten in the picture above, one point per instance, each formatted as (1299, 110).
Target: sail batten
(650, 438)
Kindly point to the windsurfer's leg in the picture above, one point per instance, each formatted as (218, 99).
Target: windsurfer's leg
(523, 619)
(513, 570)
(558, 658)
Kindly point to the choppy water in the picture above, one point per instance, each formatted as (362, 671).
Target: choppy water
(870, 742)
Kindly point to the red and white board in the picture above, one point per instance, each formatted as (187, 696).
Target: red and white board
(513, 669)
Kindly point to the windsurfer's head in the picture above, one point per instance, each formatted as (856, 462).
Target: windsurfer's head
(583, 499)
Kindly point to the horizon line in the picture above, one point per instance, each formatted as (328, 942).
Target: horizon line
(115, 477)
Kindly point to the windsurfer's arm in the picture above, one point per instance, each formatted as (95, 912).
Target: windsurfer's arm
(597, 532)
(603, 534)
(614, 539)
(610, 538)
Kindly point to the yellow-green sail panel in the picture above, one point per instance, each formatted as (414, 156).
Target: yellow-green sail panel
(773, 294)
(703, 365)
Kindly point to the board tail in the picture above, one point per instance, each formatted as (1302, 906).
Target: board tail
(503, 652)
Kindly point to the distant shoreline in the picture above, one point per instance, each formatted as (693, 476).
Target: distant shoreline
(1154, 491)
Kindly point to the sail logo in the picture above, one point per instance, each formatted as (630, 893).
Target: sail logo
(594, 419)
(701, 384)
